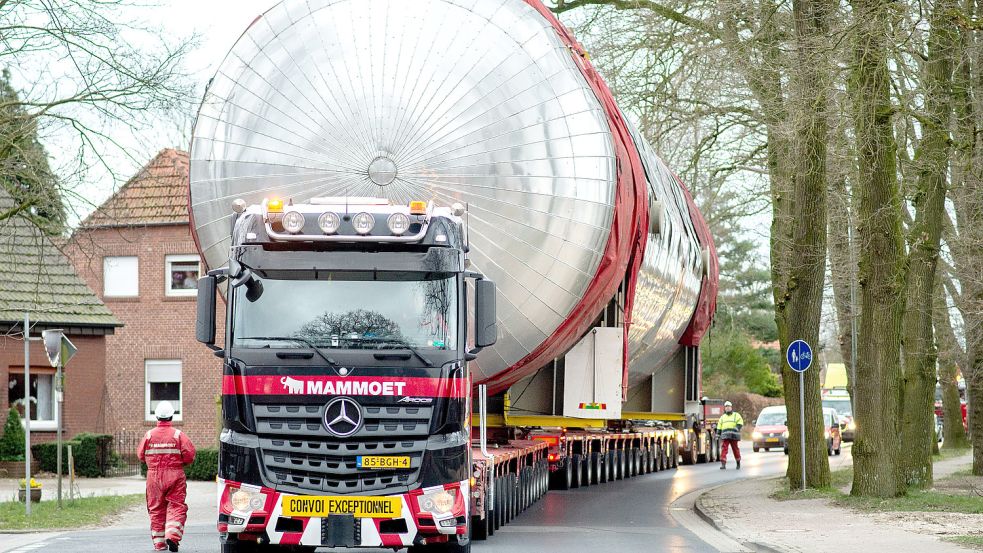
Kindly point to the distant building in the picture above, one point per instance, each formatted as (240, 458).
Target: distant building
(137, 253)
(36, 278)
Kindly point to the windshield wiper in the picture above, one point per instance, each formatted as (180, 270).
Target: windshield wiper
(402, 343)
(292, 339)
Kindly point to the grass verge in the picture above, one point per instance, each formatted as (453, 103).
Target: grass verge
(974, 541)
(915, 501)
(77, 513)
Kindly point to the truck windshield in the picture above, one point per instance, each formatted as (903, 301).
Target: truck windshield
(351, 310)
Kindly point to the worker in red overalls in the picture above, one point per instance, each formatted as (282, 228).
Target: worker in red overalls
(166, 450)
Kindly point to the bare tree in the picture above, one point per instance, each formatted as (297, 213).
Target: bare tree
(930, 164)
(82, 82)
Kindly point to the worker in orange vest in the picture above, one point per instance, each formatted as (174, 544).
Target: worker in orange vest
(166, 450)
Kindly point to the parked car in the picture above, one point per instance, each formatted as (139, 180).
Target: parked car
(841, 402)
(769, 429)
(831, 432)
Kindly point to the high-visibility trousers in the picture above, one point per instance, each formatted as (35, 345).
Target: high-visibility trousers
(166, 493)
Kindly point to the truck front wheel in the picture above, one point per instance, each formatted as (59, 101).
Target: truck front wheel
(247, 547)
(441, 548)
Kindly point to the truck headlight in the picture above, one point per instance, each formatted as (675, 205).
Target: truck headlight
(398, 223)
(756, 435)
(293, 222)
(363, 223)
(785, 434)
(851, 425)
(329, 222)
(438, 502)
(247, 501)
(826, 434)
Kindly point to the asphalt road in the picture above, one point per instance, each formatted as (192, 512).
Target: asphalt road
(624, 516)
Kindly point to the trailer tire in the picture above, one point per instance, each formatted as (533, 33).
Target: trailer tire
(480, 526)
(577, 472)
(518, 495)
(497, 511)
(636, 462)
(674, 454)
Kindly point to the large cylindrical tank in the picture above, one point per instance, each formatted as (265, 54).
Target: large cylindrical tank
(484, 102)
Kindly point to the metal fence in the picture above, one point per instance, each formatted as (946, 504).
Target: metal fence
(125, 461)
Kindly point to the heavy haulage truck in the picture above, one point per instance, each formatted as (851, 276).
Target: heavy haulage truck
(455, 276)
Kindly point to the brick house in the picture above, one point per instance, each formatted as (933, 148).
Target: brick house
(37, 278)
(137, 253)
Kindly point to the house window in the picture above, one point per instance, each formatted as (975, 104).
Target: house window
(181, 275)
(120, 277)
(42, 402)
(163, 384)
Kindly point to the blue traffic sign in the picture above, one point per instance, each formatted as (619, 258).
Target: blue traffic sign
(799, 356)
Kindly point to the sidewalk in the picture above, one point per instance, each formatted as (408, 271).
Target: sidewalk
(744, 511)
(84, 487)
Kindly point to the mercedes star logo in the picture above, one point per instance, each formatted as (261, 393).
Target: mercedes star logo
(342, 417)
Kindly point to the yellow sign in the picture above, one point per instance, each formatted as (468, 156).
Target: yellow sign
(322, 506)
(383, 462)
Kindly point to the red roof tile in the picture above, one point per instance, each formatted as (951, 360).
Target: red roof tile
(158, 194)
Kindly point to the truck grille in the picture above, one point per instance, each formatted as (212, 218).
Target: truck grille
(298, 453)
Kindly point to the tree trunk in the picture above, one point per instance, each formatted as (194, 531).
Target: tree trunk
(881, 259)
(931, 164)
(967, 197)
(805, 257)
(950, 356)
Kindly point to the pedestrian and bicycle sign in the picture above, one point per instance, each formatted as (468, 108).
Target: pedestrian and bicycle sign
(799, 356)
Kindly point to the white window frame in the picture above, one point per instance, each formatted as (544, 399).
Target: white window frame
(148, 364)
(105, 274)
(43, 425)
(169, 260)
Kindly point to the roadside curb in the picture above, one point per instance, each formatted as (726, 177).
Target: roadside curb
(702, 511)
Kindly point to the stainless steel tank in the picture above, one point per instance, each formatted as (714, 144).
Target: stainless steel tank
(472, 101)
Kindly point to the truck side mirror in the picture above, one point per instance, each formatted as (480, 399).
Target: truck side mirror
(485, 315)
(205, 326)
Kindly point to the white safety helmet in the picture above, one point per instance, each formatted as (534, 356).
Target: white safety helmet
(164, 410)
(726, 404)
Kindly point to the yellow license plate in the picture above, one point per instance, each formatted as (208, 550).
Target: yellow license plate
(383, 462)
(772, 440)
(321, 506)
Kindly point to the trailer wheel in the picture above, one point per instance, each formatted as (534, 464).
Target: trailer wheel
(674, 454)
(636, 462)
(702, 457)
(652, 455)
(577, 472)
(497, 512)
(518, 495)
(479, 526)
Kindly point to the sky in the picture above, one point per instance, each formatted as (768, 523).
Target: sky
(217, 24)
